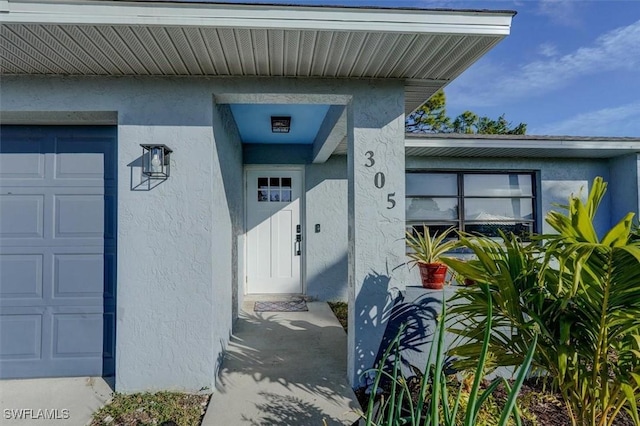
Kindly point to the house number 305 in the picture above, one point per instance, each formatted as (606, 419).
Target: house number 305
(379, 179)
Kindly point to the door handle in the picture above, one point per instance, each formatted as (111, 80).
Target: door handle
(298, 242)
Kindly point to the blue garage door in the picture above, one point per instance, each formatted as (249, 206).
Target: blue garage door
(57, 251)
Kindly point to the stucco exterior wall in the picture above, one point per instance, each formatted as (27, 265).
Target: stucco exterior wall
(624, 186)
(376, 218)
(175, 268)
(180, 242)
(326, 200)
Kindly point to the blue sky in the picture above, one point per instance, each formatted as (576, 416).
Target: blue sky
(569, 67)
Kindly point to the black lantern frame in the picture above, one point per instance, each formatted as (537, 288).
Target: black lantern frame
(156, 160)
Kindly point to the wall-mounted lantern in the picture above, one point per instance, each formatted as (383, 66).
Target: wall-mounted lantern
(280, 124)
(155, 160)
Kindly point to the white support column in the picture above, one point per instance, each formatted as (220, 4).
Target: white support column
(376, 215)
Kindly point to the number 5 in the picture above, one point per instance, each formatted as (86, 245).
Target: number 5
(390, 200)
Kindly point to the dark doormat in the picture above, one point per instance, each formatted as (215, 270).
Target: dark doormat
(289, 306)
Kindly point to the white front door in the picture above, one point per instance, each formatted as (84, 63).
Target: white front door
(274, 237)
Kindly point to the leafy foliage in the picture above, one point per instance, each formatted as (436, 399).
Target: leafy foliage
(581, 293)
(426, 248)
(432, 117)
(434, 405)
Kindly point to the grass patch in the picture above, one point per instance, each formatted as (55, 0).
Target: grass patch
(152, 409)
(341, 311)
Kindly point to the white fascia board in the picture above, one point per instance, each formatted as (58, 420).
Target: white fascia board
(480, 144)
(109, 12)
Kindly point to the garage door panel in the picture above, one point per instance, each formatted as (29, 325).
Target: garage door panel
(20, 336)
(21, 216)
(21, 276)
(77, 335)
(79, 215)
(78, 275)
(85, 159)
(57, 251)
(22, 159)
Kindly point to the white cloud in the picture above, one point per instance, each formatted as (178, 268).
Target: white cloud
(622, 120)
(562, 12)
(548, 49)
(492, 84)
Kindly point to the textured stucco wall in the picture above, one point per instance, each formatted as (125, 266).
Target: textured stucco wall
(175, 249)
(326, 205)
(227, 177)
(558, 178)
(375, 129)
(178, 242)
(624, 186)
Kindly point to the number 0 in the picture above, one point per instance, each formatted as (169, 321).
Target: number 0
(378, 180)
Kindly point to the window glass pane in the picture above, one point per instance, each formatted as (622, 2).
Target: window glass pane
(286, 196)
(434, 229)
(491, 229)
(431, 184)
(275, 182)
(498, 209)
(418, 209)
(263, 183)
(286, 182)
(262, 196)
(274, 195)
(498, 185)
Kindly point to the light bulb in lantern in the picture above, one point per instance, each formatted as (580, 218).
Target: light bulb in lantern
(155, 161)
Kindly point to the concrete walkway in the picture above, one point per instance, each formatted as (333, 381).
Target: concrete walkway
(59, 401)
(284, 368)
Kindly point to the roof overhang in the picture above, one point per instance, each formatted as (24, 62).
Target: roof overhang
(479, 146)
(426, 49)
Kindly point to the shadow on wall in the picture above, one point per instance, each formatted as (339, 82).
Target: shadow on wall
(330, 283)
(419, 317)
(229, 152)
(374, 306)
(138, 180)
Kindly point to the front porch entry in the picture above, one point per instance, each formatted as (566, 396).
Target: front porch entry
(273, 230)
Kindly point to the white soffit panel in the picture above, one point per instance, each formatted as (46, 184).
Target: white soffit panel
(425, 48)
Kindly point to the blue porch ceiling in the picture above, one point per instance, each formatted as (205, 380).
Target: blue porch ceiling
(254, 122)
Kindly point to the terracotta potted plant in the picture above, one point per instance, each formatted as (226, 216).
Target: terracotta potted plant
(425, 251)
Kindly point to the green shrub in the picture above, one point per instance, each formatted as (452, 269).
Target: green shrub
(435, 404)
(580, 293)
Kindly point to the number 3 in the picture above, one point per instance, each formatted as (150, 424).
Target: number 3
(369, 155)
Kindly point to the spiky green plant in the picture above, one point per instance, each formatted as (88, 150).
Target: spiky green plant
(427, 248)
(433, 406)
(579, 291)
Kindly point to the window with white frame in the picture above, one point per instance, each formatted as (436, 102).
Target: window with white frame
(475, 202)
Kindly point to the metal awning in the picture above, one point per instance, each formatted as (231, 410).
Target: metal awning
(425, 48)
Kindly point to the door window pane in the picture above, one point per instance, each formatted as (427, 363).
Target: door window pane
(286, 182)
(431, 209)
(274, 182)
(498, 185)
(431, 184)
(285, 196)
